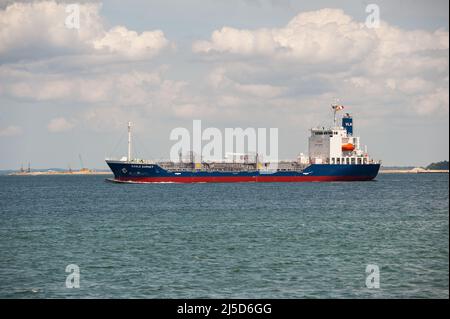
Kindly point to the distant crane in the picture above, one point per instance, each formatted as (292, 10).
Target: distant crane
(82, 168)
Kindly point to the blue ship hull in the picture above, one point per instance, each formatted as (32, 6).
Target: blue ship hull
(153, 173)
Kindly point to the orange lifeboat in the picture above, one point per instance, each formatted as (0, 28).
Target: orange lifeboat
(348, 147)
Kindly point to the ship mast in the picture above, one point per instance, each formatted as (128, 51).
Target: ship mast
(334, 115)
(334, 107)
(129, 141)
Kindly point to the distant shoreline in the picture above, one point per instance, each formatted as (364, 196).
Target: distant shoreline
(44, 173)
(413, 171)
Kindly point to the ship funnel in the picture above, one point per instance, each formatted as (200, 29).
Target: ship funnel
(347, 123)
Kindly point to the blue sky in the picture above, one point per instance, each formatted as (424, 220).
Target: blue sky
(251, 63)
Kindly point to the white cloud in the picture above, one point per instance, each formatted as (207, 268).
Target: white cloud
(60, 124)
(317, 56)
(37, 30)
(328, 53)
(11, 130)
(125, 87)
(392, 41)
(122, 41)
(327, 35)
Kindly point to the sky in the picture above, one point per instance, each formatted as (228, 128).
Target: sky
(66, 92)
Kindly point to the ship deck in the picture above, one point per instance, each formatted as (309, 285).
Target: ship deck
(228, 167)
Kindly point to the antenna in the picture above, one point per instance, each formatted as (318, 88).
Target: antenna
(129, 141)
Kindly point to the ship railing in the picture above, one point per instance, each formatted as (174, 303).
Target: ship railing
(135, 160)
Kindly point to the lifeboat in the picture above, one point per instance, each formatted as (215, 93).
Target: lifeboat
(348, 147)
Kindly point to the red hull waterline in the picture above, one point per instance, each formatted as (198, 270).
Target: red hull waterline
(241, 179)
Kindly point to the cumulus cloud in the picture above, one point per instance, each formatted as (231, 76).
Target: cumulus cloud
(59, 124)
(319, 54)
(11, 130)
(129, 43)
(314, 37)
(327, 35)
(37, 30)
(329, 49)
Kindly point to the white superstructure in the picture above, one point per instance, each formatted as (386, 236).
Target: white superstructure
(336, 144)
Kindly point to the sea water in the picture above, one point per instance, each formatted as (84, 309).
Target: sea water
(274, 240)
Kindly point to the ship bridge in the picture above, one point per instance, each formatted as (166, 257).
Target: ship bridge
(337, 145)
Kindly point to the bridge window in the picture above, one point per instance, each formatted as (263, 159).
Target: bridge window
(353, 160)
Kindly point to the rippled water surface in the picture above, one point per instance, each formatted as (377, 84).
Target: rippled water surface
(289, 240)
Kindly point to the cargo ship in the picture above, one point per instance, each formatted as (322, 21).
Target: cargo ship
(335, 154)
